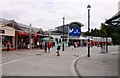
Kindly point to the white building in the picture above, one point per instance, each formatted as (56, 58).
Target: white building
(118, 6)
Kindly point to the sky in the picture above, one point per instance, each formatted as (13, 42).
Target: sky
(48, 14)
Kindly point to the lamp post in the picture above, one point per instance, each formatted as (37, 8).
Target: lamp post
(30, 45)
(63, 33)
(1, 32)
(88, 7)
(68, 35)
(49, 30)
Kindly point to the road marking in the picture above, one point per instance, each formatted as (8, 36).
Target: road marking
(14, 61)
(10, 61)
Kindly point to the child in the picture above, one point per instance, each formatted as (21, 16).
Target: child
(58, 49)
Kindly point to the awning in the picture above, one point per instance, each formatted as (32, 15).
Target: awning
(23, 33)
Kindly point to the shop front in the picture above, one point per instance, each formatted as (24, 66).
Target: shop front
(34, 40)
(22, 39)
(8, 36)
(41, 39)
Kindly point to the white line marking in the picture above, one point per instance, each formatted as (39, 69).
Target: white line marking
(10, 61)
(14, 61)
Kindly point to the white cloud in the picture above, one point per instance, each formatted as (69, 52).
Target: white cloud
(48, 14)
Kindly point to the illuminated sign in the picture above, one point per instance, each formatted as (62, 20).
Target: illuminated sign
(75, 32)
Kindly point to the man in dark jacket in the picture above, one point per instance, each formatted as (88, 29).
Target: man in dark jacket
(45, 47)
(58, 49)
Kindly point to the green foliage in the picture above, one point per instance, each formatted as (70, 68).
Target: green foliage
(86, 33)
(111, 31)
(102, 33)
(95, 32)
(116, 38)
(106, 31)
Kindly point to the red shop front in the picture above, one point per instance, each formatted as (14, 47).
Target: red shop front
(22, 40)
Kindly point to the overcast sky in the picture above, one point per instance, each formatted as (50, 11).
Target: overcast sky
(48, 14)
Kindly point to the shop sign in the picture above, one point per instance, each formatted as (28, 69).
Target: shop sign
(75, 32)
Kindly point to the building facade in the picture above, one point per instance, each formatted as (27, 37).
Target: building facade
(19, 35)
(118, 6)
(72, 32)
(9, 35)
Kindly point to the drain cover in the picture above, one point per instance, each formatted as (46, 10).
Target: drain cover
(38, 54)
(104, 61)
(76, 55)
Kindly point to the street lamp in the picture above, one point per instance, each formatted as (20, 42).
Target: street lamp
(88, 7)
(63, 33)
(30, 35)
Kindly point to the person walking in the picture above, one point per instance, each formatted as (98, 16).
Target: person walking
(58, 49)
(8, 46)
(40, 44)
(49, 46)
(45, 47)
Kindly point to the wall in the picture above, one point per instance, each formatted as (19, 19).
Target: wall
(118, 6)
(8, 31)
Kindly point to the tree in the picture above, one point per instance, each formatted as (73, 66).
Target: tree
(103, 33)
(109, 29)
(115, 38)
(86, 33)
(112, 32)
(95, 32)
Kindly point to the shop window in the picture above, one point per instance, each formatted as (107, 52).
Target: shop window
(5, 39)
(23, 42)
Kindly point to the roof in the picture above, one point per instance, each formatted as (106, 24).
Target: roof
(11, 23)
(2, 21)
(19, 26)
(78, 23)
(37, 29)
(71, 25)
(114, 20)
(117, 15)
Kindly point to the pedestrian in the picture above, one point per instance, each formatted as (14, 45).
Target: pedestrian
(74, 44)
(28, 46)
(41, 45)
(49, 46)
(38, 44)
(58, 49)
(8, 46)
(45, 47)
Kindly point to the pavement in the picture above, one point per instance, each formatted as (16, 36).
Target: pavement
(99, 64)
(70, 62)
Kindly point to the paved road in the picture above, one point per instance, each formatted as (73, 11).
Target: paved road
(38, 63)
